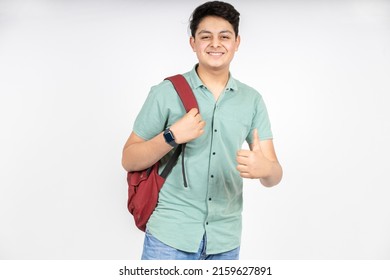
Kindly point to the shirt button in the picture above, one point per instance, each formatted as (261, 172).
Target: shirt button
(212, 176)
(209, 198)
(214, 153)
(215, 130)
(207, 223)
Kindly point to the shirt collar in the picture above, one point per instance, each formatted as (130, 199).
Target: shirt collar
(196, 81)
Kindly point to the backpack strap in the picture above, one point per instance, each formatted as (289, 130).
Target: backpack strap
(171, 162)
(184, 90)
(188, 99)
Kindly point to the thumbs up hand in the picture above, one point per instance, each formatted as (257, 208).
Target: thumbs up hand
(253, 164)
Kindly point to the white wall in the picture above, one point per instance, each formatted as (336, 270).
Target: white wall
(73, 75)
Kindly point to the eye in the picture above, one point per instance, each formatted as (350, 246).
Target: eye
(205, 37)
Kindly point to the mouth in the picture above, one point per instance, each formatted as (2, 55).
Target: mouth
(215, 53)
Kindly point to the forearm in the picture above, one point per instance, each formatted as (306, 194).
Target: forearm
(274, 175)
(140, 155)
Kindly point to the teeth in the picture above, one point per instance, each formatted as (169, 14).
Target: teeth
(215, 53)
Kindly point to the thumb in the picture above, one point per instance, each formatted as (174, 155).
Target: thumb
(256, 141)
(193, 112)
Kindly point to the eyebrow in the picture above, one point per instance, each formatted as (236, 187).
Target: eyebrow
(209, 32)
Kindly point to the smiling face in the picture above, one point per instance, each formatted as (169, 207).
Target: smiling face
(215, 43)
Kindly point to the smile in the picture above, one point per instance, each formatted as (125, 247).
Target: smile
(215, 53)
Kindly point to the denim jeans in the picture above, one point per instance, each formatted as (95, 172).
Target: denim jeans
(156, 250)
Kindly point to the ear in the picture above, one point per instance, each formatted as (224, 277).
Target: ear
(192, 43)
(238, 41)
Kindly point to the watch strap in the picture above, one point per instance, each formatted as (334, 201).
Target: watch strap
(172, 142)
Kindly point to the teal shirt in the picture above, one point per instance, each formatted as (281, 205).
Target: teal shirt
(212, 202)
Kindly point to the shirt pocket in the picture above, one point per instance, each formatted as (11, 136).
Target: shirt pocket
(235, 125)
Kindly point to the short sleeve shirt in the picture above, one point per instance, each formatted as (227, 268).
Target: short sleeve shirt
(212, 202)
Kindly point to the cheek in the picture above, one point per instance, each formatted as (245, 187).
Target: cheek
(232, 47)
(200, 47)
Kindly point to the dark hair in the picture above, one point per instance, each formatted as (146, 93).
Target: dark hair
(218, 9)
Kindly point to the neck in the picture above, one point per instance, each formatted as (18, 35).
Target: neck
(213, 78)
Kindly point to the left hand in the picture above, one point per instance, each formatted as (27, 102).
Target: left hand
(253, 164)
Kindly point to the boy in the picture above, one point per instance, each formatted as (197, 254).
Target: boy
(203, 220)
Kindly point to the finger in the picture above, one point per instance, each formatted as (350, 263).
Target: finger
(242, 168)
(243, 171)
(242, 160)
(256, 141)
(243, 153)
(246, 175)
(193, 112)
(198, 117)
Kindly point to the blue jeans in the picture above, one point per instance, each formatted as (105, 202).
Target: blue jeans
(156, 250)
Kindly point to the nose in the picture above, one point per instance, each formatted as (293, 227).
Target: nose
(215, 43)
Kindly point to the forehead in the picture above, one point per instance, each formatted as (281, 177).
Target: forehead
(214, 24)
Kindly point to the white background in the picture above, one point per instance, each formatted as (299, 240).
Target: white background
(74, 74)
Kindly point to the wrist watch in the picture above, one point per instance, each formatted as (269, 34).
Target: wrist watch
(169, 138)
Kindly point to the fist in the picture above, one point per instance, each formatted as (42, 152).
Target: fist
(253, 164)
(189, 127)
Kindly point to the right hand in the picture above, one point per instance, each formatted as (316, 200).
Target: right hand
(189, 127)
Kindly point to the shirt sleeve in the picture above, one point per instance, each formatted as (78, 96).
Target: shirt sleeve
(150, 120)
(260, 121)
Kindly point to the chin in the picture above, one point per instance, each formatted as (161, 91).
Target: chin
(216, 67)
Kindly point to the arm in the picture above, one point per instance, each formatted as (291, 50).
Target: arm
(139, 153)
(260, 162)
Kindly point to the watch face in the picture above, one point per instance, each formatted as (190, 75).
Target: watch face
(168, 136)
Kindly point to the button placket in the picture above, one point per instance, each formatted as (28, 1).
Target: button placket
(212, 165)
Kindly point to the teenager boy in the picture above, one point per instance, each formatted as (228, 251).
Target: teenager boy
(203, 220)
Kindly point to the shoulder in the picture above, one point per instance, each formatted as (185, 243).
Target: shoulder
(163, 86)
(162, 91)
(166, 85)
(247, 91)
